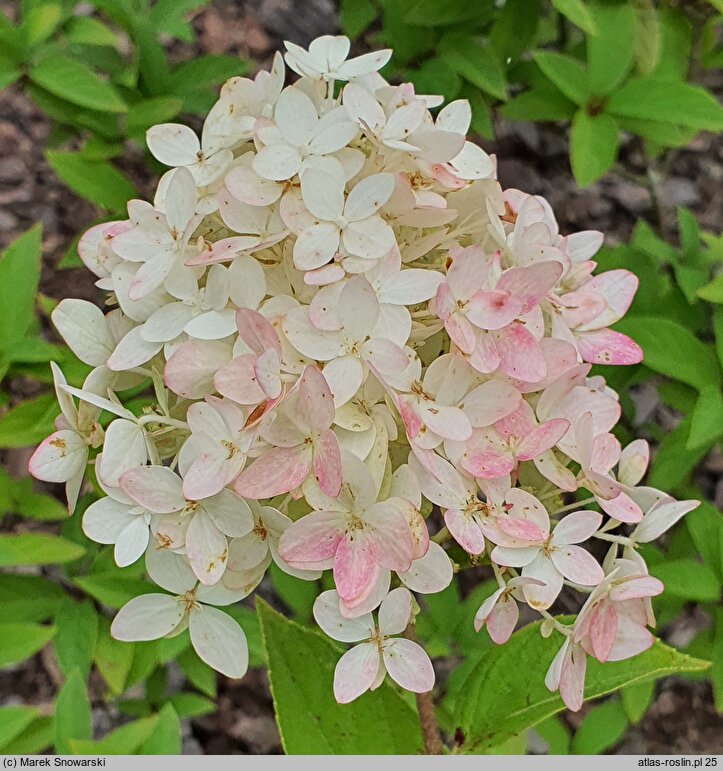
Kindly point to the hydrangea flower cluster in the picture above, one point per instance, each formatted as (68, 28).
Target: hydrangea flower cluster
(352, 330)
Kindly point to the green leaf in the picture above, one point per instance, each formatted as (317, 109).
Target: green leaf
(206, 71)
(555, 736)
(610, 51)
(28, 598)
(673, 462)
(648, 37)
(166, 736)
(197, 672)
(125, 740)
(667, 101)
(435, 76)
(19, 275)
(576, 11)
(707, 424)
(676, 40)
(663, 342)
(191, 705)
(712, 292)
(521, 699)
(74, 642)
(705, 525)
(516, 24)
(148, 112)
(355, 16)
(636, 700)
(37, 737)
(112, 589)
(564, 72)
(718, 329)
(688, 579)
(432, 13)
(96, 181)
(539, 104)
(593, 146)
(717, 668)
(298, 596)
(85, 30)
(29, 422)
(602, 727)
(40, 22)
(75, 82)
(13, 721)
(113, 658)
(310, 721)
(37, 549)
(19, 641)
(72, 718)
(476, 63)
(661, 133)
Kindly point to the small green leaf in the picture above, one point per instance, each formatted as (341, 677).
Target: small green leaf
(666, 134)
(555, 736)
(28, 598)
(432, 13)
(648, 37)
(125, 740)
(19, 641)
(97, 181)
(19, 275)
(610, 51)
(566, 73)
(191, 705)
(688, 579)
(636, 700)
(86, 30)
(602, 727)
(576, 11)
(113, 659)
(166, 736)
(675, 45)
(148, 112)
(707, 424)
(38, 736)
(40, 22)
(197, 672)
(712, 292)
(705, 525)
(310, 721)
(517, 22)
(37, 549)
(593, 146)
(435, 76)
(663, 341)
(539, 104)
(476, 63)
(29, 422)
(206, 71)
(13, 721)
(669, 101)
(72, 719)
(521, 698)
(355, 16)
(75, 82)
(74, 642)
(112, 589)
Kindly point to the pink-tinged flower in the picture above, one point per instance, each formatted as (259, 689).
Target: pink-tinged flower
(63, 456)
(160, 240)
(327, 58)
(596, 454)
(303, 443)
(499, 612)
(364, 666)
(254, 377)
(352, 349)
(661, 517)
(493, 452)
(611, 625)
(503, 519)
(351, 533)
(215, 636)
(215, 453)
(427, 419)
(555, 557)
(584, 316)
(199, 527)
(567, 674)
(261, 545)
(191, 368)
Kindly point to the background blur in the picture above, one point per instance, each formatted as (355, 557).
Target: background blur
(622, 94)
